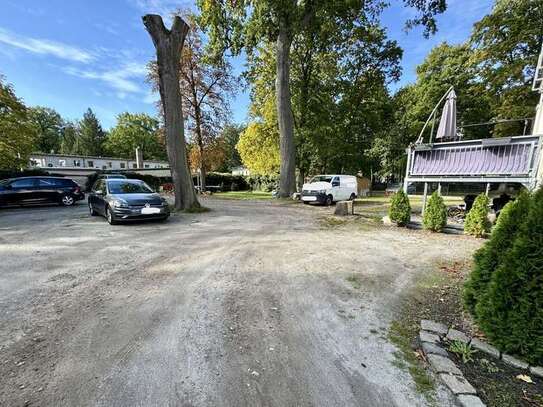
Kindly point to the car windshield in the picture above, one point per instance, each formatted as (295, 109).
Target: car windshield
(321, 178)
(128, 187)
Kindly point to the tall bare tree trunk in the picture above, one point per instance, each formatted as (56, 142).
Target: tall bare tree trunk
(200, 141)
(168, 44)
(287, 148)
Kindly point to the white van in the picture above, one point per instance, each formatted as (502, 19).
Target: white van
(326, 189)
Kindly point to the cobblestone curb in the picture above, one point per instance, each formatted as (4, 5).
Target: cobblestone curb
(434, 335)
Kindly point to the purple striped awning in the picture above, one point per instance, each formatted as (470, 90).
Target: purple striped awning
(471, 159)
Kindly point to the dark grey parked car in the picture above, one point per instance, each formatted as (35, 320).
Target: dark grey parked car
(126, 199)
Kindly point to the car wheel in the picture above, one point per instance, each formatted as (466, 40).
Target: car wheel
(353, 197)
(109, 217)
(92, 212)
(329, 200)
(67, 200)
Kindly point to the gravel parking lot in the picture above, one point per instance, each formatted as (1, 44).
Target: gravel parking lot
(246, 305)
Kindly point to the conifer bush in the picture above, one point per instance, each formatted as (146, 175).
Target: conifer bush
(488, 257)
(400, 209)
(511, 311)
(435, 214)
(477, 223)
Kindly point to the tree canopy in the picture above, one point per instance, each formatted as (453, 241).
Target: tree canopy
(17, 133)
(135, 130)
(49, 125)
(91, 134)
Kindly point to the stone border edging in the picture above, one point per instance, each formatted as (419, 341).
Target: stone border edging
(433, 334)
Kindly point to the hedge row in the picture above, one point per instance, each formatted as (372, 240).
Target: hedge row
(505, 290)
(225, 181)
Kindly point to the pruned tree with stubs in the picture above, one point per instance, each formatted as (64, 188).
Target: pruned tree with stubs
(169, 44)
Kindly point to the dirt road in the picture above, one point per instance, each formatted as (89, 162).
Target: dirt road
(247, 305)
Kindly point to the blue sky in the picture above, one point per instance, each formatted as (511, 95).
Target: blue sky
(71, 55)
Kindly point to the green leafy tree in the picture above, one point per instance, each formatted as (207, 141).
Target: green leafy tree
(511, 311)
(230, 135)
(338, 104)
(506, 44)
(451, 65)
(49, 125)
(400, 209)
(477, 223)
(70, 141)
(91, 134)
(258, 147)
(491, 73)
(248, 24)
(435, 214)
(17, 133)
(135, 130)
(488, 258)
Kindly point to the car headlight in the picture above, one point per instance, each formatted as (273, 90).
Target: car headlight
(120, 203)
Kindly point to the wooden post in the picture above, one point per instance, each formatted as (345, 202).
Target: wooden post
(424, 198)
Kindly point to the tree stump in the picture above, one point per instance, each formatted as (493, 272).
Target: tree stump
(344, 208)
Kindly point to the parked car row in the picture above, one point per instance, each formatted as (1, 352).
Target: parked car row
(113, 196)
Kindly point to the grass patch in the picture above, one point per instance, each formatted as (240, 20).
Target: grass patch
(401, 335)
(435, 296)
(330, 222)
(355, 281)
(379, 204)
(243, 195)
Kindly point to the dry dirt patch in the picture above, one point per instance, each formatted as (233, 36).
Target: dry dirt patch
(252, 303)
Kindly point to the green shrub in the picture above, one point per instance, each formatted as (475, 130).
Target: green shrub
(511, 311)
(477, 223)
(488, 257)
(400, 209)
(266, 183)
(435, 214)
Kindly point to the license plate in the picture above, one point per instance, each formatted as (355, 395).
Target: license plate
(149, 211)
(309, 198)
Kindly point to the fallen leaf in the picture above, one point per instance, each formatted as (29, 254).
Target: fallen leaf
(525, 378)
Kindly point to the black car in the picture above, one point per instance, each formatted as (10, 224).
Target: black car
(35, 190)
(126, 199)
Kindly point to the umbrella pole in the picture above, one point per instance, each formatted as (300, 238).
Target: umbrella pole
(433, 125)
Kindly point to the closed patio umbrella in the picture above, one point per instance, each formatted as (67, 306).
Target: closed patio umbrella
(447, 124)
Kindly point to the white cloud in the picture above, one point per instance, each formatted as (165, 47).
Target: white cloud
(45, 47)
(162, 7)
(151, 98)
(120, 79)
